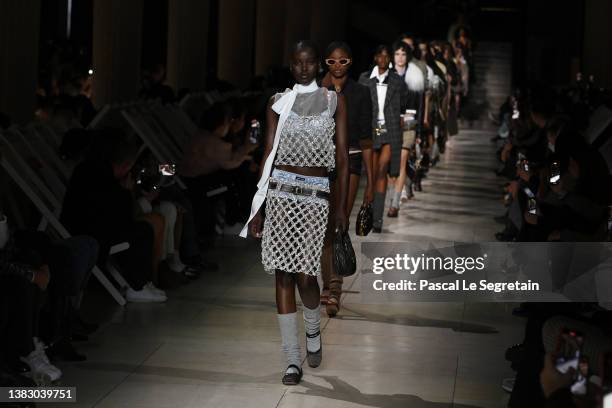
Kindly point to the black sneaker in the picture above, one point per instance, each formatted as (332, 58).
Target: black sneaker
(63, 350)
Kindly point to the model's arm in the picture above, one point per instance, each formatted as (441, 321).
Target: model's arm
(256, 224)
(342, 170)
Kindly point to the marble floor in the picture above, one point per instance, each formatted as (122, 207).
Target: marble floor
(215, 343)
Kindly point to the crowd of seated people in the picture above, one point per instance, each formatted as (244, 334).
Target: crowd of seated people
(116, 195)
(558, 189)
(558, 185)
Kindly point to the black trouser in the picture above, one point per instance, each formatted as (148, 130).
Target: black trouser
(202, 206)
(19, 314)
(70, 264)
(136, 263)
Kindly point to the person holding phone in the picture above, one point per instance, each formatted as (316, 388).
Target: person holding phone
(338, 58)
(300, 128)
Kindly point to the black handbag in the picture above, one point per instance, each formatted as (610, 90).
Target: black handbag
(345, 263)
(364, 222)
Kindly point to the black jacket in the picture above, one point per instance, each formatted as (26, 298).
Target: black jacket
(96, 204)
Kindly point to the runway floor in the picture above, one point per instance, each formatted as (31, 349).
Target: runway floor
(216, 343)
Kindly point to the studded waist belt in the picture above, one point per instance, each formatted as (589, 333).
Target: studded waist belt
(297, 190)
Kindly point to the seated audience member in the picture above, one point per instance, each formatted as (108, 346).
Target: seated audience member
(575, 208)
(30, 322)
(99, 202)
(205, 155)
(149, 187)
(207, 152)
(154, 86)
(242, 179)
(20, 292)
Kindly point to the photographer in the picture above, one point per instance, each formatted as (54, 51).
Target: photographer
(99, 202)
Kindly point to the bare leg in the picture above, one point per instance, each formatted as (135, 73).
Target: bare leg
(309, 290)
(352, 194)
(381, 167)
(285, 292)
(399, 183)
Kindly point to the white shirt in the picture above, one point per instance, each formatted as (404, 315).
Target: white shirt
(381, 91)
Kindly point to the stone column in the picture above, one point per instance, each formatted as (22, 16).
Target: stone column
(598, 42)
(297, 24)
(187, 43)
(19, 30)
(235, 50)
(269, 34)
(328, 22)
(117, 47)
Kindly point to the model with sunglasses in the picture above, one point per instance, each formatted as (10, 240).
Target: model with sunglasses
(300, 128)
(389, 95)
(415, 83)
(338, 58)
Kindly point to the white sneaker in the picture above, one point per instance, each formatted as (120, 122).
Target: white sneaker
(154, 289)
(404, 196)
(42, 372)
(175, 264)
(508, 384)
(40, 348)
(145, 295)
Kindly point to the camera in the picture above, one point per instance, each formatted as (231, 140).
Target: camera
(532, 204)
(555, 173)
(167, 169)
(255, 132)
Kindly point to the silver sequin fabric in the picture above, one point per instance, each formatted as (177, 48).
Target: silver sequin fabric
(307, 141)
(307, 138)
(294, 227)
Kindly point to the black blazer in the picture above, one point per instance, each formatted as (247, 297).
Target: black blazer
(359, 113)
(395, 105)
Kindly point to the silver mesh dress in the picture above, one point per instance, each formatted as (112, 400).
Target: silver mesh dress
(295, 225)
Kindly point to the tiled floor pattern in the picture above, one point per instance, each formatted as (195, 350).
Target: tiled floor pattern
(216, 342)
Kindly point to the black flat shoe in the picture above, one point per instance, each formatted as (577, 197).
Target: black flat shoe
(64, 351)
(314, 358)
(293, 378)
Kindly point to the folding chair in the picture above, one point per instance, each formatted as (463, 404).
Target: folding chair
(153, 138)
(168, 116)
(24, 146)
(49, 205)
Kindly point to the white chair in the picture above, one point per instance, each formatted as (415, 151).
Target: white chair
(49, 205)
(35, 190)
(153, 137)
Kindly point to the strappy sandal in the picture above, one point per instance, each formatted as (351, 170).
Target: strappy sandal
(333, 305)
(324, 296)
(314, 358)
(293, 378)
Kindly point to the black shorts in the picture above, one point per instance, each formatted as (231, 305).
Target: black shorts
(355, 161)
